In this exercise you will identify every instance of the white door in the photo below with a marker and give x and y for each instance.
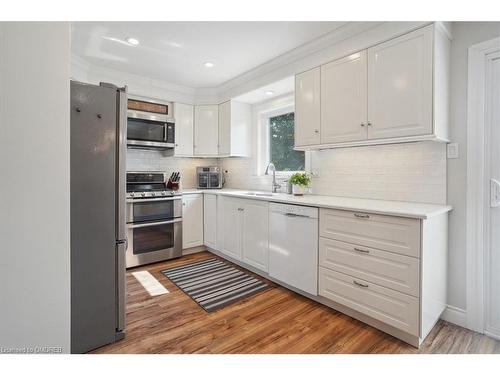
(255, 234)
(192, 217)
(231, 227)
(307, 108)
(184, 123)
(225, 128)
(344, 99)
(210, 220)
(206, 130)
(400, 86)
(492, 259)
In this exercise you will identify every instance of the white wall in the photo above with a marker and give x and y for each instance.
(34, 186)
(465, 34)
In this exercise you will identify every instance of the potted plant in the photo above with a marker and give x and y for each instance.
(299, 181)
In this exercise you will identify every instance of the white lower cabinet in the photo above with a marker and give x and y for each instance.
(231, 227)
(192, 220)
(210, 220)
(396, 309)
(255, 234)
(244, 230)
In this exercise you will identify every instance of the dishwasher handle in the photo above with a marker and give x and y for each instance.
(297, 215)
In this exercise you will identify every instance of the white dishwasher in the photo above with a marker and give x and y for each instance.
(293, 246)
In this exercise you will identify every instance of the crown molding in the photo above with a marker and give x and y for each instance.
(344, 40)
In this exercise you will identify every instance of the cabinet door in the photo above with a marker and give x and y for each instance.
(255, 234)
(210, 220)
(192, 217)
(231, 227)
(344, 99)
(184, 123)
(225, 128)
(307, 108)
(206, 130)
(400, 86)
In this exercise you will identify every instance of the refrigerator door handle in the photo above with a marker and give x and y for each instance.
(121, 248)
(121, 161)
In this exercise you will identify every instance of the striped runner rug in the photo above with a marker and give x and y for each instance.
(214, 284)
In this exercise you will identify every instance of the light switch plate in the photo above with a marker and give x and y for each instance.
(452, 151)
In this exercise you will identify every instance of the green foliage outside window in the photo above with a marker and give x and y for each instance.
(281, 140)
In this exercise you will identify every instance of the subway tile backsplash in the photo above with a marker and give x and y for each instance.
(414, 172)
(146, 160)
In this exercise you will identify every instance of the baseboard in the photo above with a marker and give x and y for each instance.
(455, 315)
(192, 250)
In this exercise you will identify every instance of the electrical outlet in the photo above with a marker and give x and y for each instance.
(452, 150)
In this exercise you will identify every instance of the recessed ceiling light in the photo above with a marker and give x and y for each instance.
(208, 64)
(132, 41)
(269, 92)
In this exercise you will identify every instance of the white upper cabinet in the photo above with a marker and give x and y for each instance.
(184, 123)
(344, 99)
(235, 120)
(396, 91)
(400, 86)
(206, 130)
(307, 108)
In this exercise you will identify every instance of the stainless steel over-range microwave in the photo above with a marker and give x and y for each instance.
(149, 125)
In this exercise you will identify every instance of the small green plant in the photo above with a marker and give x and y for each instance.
(300, 178)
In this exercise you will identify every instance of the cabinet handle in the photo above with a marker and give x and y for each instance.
(369, 123)
(362, 216)
(362, 124)
(362, 250)
(241, 209)
(316, 131)
(360, 284)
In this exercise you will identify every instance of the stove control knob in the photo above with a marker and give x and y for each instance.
(143, 194)
(163, 193)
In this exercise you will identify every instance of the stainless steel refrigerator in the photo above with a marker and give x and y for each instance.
(98, 223)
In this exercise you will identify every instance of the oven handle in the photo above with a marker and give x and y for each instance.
(138, 200)
(155, 223)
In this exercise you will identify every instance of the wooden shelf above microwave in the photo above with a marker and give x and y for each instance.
(140, 105)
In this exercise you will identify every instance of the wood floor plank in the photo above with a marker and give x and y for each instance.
(276, 320)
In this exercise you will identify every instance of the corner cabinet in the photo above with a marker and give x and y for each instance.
(235, 119)
(396, 91)
(307, 107)
(184, 126)
(206, 130)
(192, 217)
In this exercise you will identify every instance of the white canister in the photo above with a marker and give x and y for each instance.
(298, 190)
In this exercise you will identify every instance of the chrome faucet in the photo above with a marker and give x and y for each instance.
(272, 168)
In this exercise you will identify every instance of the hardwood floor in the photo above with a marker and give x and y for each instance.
(274, 321)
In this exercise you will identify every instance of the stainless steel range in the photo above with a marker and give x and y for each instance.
(154, 219)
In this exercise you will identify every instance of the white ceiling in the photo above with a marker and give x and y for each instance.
(176, 51)
(282, 87)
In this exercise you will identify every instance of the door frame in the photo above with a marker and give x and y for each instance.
(477, 197)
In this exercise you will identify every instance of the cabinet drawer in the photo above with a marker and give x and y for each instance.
(391, 270)
(395, 234)
(394, 308)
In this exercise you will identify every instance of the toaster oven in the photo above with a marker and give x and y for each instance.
(209, 178)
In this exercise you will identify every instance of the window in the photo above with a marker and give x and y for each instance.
(281, 141)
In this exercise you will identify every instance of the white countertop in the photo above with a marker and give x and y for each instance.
(374, 206)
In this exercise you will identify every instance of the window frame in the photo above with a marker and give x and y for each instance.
(263, 141)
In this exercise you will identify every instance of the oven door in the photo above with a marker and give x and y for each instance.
(154, 242)
(154, 209)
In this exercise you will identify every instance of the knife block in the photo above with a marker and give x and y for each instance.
(173, 185)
